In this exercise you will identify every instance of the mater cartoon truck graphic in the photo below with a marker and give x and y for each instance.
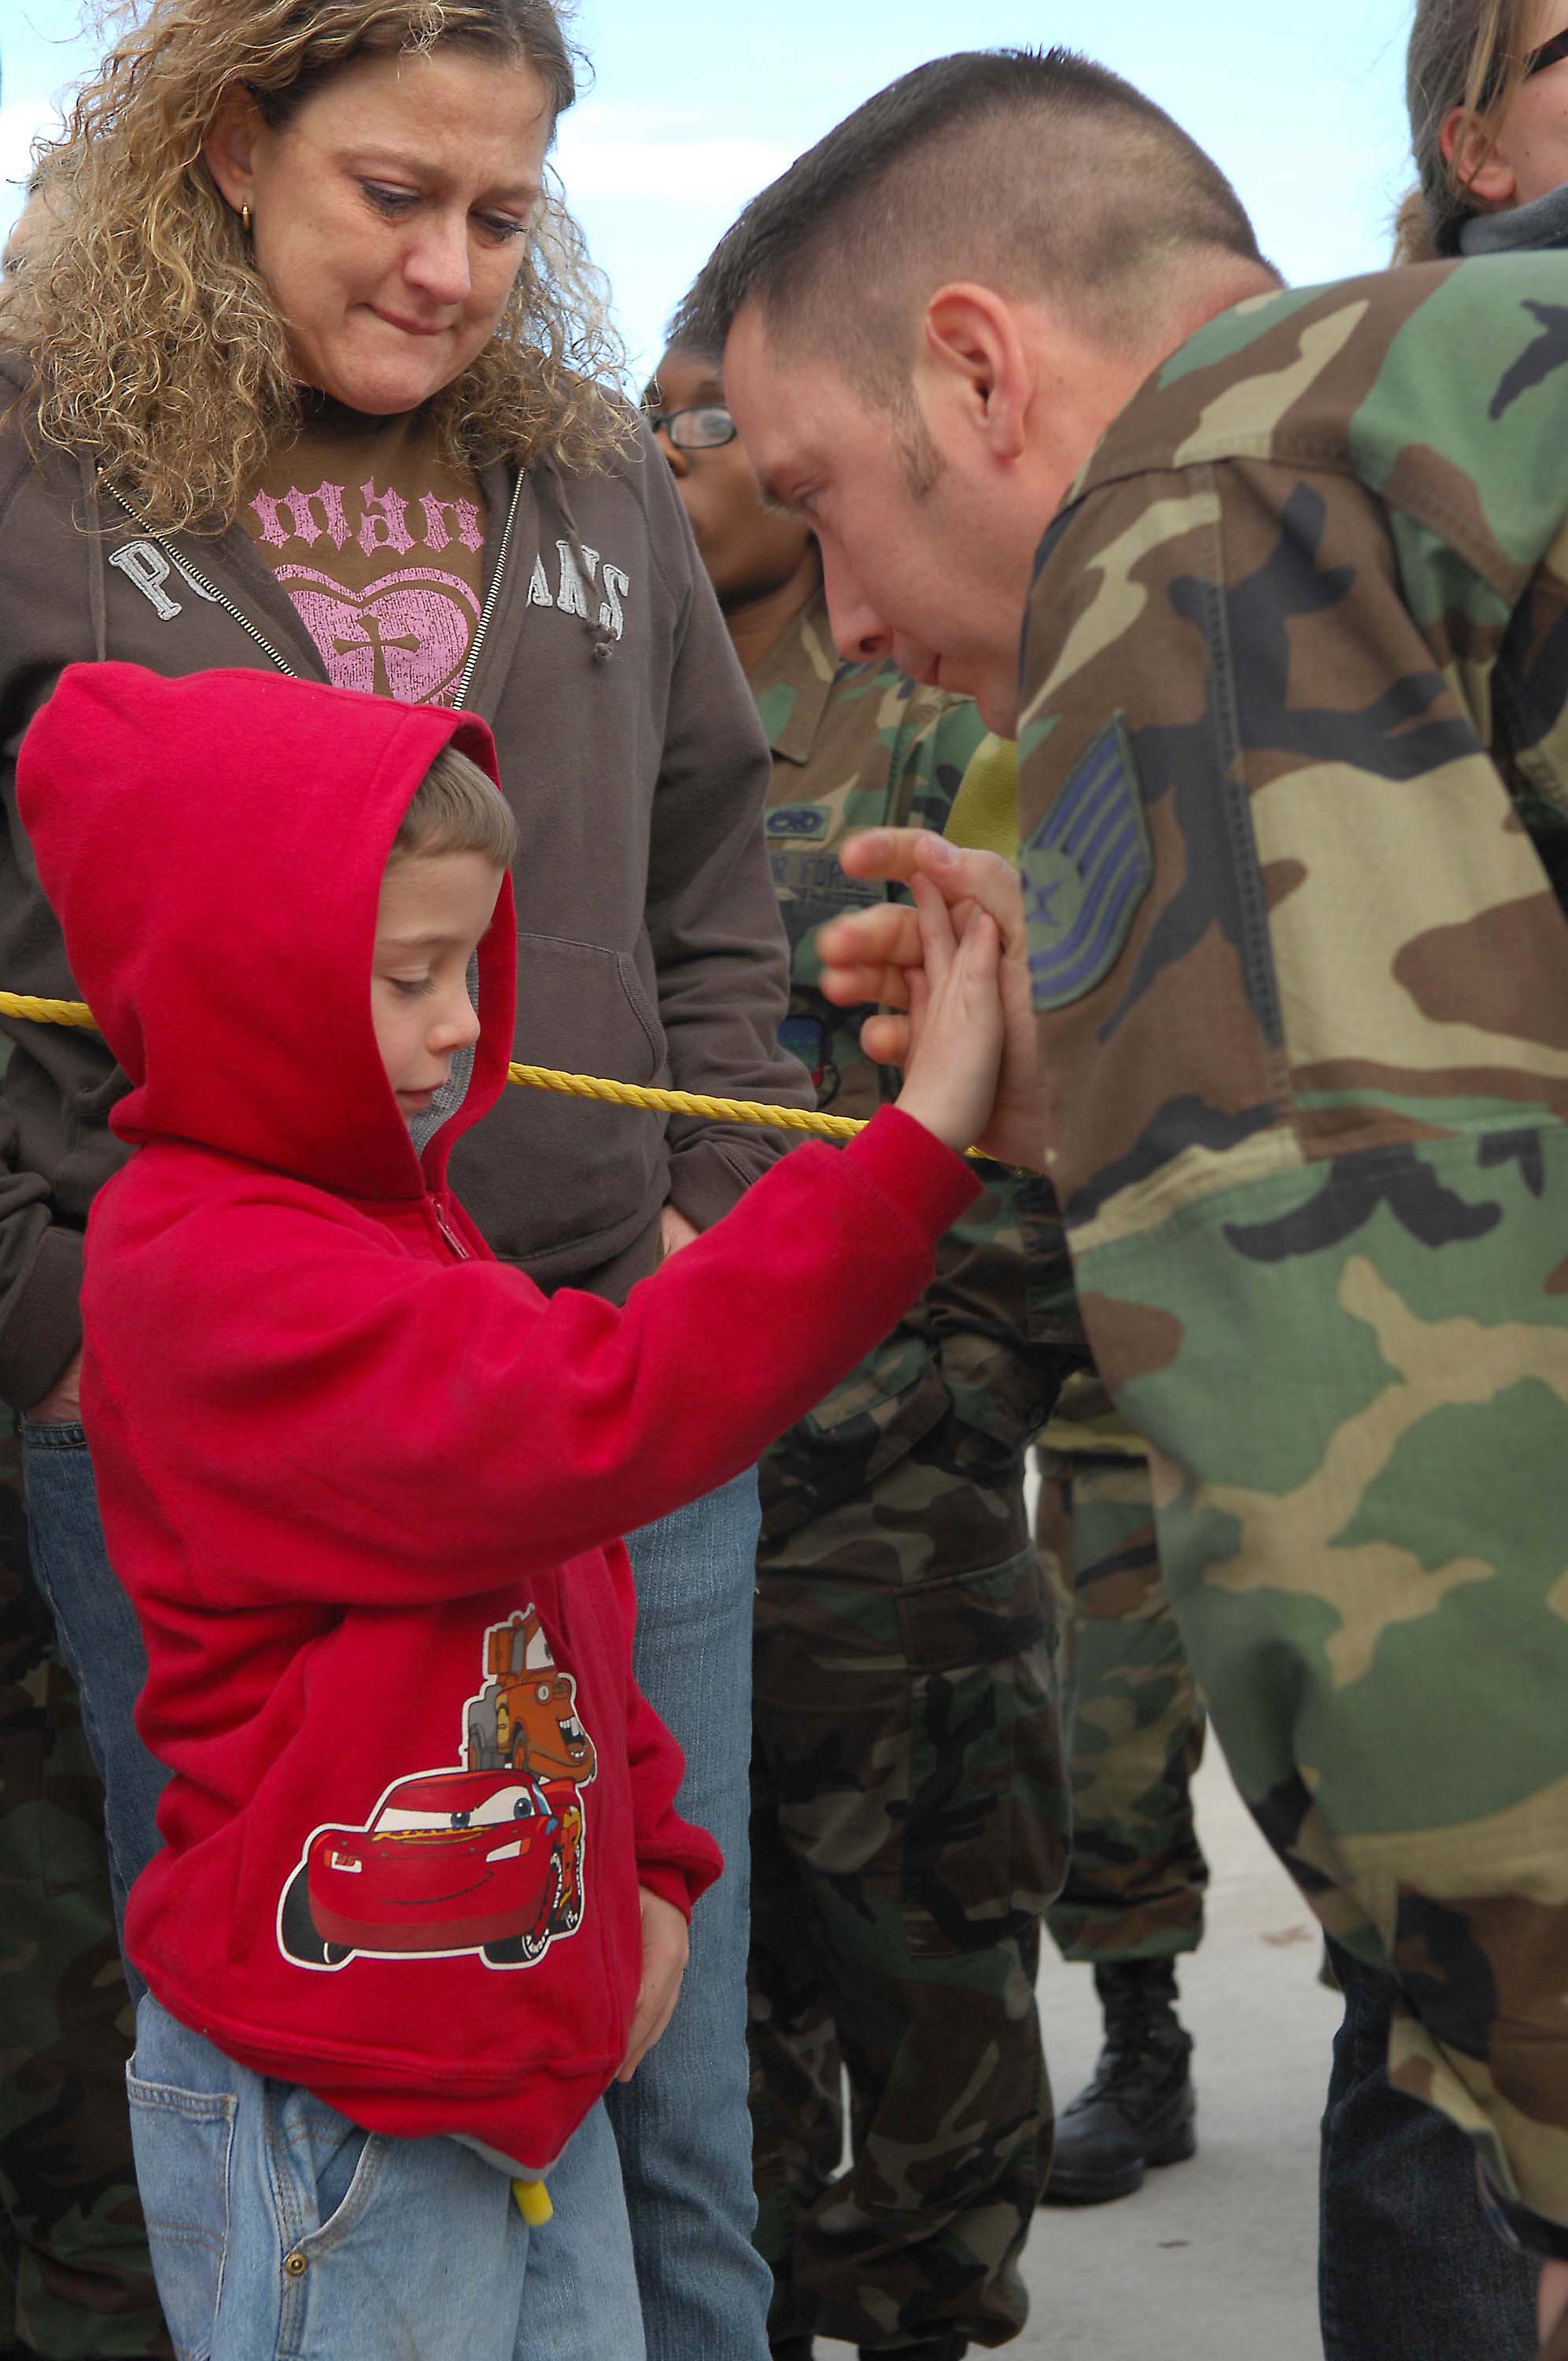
(485, 1855)
(525, 1716)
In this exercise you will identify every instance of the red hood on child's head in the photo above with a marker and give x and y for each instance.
(213, 849)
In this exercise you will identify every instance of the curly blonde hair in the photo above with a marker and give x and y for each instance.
(1465, 53)
(154, 341)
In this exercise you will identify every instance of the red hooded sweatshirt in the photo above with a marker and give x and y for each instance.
(364, 1483)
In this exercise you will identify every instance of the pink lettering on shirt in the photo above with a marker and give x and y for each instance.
(300, 508)
(384, 524)
(464, 526)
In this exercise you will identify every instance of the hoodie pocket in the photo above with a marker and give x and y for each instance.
(582, 1009)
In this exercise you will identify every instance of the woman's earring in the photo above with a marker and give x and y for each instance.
(245, 219)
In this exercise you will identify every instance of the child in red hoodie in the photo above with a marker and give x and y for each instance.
(424, 1888)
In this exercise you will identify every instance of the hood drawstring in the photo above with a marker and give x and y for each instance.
(97, 577)
(554, 495)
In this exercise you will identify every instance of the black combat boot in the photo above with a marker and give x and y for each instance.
(1139, 2108)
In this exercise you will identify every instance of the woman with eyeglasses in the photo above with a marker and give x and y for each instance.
(1487, 85)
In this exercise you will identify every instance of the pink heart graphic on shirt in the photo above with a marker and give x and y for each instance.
(407, 636)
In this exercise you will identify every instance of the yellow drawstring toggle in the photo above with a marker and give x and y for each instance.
(533, 2202)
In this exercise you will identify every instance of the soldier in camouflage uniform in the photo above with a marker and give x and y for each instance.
(75, 2272)
(1133, 1901)
(1364, 489)
(1294, 805)
(1134, 1886)
(909, 1798)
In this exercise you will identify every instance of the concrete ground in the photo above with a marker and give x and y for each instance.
(1216, 2257)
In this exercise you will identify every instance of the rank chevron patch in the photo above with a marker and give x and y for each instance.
(1086, 869)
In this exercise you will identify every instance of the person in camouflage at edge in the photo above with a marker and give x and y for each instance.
(1136, 1883)
(1133, 1901)
(74, 2266)
(1294, 818)
(908, 1821)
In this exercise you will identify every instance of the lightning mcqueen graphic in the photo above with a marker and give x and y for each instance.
(451, 1861)
(484, 1856)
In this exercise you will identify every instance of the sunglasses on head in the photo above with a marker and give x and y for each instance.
(1551, 53)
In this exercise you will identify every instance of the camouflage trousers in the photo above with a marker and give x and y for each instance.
(1135, 1879)
(908, 1829)
(76, 2273)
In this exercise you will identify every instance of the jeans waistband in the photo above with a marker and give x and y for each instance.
(57, 1434)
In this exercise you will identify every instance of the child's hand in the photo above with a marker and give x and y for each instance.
(868, 956)
(664, 1947)
(955, 1021)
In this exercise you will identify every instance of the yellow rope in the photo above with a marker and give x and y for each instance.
(538, 1078)
(780, 1118)
(47, 1012)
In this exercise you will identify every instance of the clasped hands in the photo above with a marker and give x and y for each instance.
(872, 954)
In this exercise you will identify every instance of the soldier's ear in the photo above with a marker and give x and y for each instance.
(1475, 157)
(977, 356)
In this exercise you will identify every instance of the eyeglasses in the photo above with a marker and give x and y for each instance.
(703, 429)
(1551, 53)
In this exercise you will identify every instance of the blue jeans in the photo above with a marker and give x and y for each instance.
(100, 1640)
(1408, 2267)
(682, 2121)
(279, 2227)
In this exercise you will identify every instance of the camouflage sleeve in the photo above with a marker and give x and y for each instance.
(1303, 988)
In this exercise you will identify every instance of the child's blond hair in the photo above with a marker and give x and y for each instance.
(455, 808)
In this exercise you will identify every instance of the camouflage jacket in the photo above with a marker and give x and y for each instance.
(1294, 794)
(862, 746)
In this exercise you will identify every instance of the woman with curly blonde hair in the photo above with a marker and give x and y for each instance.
(310, 375)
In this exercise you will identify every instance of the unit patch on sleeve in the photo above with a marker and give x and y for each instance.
(1086, 869)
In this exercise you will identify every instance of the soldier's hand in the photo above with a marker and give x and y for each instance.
(664, 1947)
(871, 955)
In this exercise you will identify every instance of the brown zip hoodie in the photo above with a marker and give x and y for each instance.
(648, 945)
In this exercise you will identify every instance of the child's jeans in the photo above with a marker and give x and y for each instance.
(280, 2229)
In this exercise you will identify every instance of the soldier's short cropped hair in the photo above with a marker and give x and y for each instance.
(1036, 172)
(456, 808)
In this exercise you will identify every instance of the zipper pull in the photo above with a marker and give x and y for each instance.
(449, 1233)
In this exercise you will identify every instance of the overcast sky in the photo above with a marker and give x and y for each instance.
(693, 108)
